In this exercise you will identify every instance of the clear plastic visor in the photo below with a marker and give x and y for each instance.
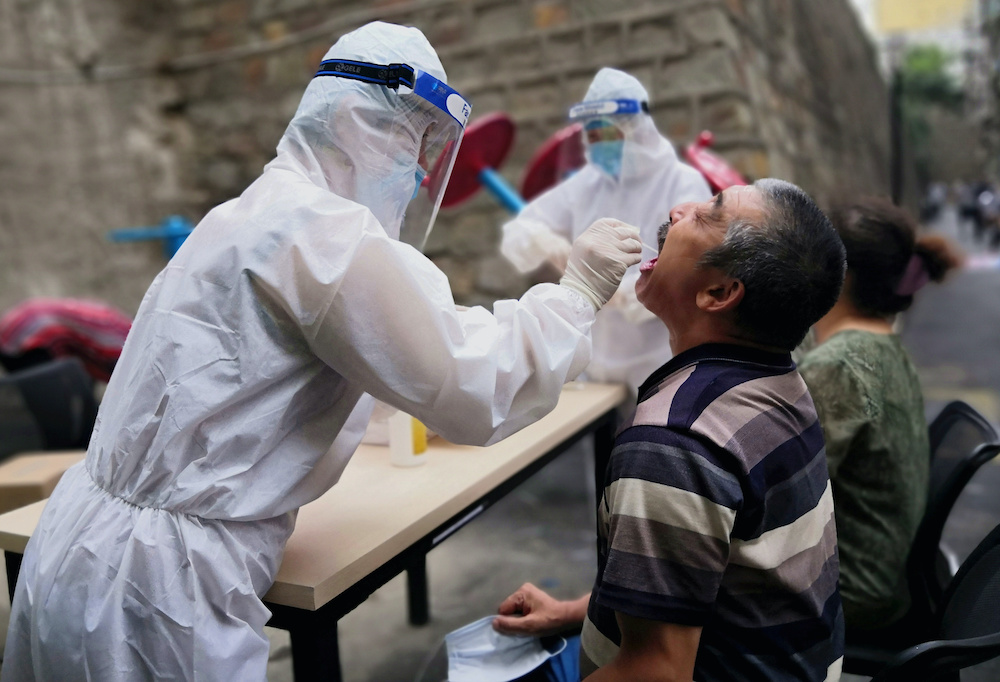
(605, 107)
(593, 132)
(441, 115)
(420, 142)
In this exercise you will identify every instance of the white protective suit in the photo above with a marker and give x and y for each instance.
(629, 342)
(239, 397)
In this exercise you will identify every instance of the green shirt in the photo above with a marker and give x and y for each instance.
(871, 408)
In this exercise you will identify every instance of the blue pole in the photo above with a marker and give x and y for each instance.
(177, 230)
(173, 230)
(502, 190)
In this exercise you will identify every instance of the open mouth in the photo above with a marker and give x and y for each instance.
(648, 265)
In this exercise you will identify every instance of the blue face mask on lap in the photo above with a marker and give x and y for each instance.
(478, 653)
(607, 155)
(419, 174)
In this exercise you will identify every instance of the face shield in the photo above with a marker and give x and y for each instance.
(605, 128)
(426, 129)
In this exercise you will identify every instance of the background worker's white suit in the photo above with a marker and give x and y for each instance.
(629, 342)
(238, 396)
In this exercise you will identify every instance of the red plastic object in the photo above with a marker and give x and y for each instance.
(485, 144)
(558, 156)
(719, 174)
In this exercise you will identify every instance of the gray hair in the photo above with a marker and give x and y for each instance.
(791, 263)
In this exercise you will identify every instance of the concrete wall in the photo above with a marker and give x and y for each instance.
(116, 113)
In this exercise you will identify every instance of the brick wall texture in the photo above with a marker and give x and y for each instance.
(115, 113)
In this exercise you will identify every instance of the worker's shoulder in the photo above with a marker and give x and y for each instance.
(289, 197)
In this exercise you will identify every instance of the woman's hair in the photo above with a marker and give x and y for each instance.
(887, 262)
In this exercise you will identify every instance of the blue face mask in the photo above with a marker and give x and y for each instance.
(478, 653)
(419, 174)
(608, 156)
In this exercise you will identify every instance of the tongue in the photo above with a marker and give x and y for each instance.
(647, 266)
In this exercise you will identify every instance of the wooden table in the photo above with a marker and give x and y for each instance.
(31, 476)
(379, 521)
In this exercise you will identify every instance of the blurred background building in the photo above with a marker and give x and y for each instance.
(990, 16)
(954, 42)
(951, 25)
(117, 114)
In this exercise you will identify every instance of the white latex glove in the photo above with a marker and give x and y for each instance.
(528, 244)
(599, 259)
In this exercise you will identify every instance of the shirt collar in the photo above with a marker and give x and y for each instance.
(726, 352)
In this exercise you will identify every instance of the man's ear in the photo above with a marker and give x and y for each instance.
(722, 296)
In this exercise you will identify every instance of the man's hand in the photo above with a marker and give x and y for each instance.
(530, 611)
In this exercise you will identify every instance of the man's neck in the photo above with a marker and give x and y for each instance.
(844, 315)
(698, 335)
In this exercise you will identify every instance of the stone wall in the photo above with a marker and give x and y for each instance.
(115, 113)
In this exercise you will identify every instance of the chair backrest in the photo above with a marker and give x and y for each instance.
(972, 601)
(962, 440)
(60, 396)
(19, 431)
(955, 432)
(968, 631)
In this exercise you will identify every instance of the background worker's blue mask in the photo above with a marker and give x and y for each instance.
(607, 155)
(419, 174)
(604, 130)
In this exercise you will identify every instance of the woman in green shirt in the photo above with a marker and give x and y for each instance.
(870, 406)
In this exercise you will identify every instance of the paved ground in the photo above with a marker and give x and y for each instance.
(543, 531)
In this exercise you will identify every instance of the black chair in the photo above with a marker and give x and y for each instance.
(955, 432)
(19, 431)
(962, 441)
(968, 629)
(60, 397)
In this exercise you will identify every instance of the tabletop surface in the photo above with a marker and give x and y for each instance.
(29, 468)
(377, 510)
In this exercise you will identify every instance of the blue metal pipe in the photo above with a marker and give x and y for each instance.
(173, 230)
(502, 190)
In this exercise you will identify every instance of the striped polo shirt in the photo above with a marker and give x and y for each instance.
(717, 513)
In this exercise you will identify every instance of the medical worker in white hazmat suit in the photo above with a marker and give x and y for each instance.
(632, 174)
(240, 392)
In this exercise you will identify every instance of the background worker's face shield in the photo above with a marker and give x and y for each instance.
(605, 129)
(423, 136)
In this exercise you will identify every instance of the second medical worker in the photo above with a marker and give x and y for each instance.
(632, 173)
(240, 394)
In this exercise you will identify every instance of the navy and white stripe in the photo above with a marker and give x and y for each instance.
(718, 513)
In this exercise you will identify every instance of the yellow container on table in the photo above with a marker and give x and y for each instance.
(407, 440)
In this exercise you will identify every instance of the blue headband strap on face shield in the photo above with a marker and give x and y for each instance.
(389, 75)
(438, 93)
(607, 107)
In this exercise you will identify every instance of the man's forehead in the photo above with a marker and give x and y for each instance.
(744, 201)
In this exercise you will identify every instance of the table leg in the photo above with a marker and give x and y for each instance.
(604, 441)
(416, 591)
(13, 563)
(315, 653)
